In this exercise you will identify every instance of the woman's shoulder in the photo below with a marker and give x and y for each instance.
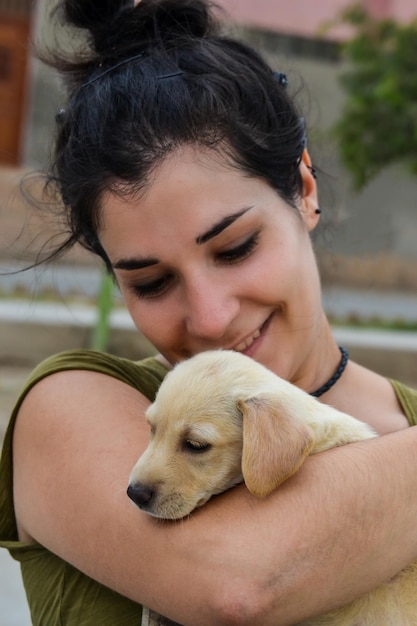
(76, 385)
(70, 379)
(82, 404)
(144, 375)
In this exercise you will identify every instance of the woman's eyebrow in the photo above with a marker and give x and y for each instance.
(134, 263)
(216, 229)
(140, 263)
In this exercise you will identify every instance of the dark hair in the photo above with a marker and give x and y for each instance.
(152, 77)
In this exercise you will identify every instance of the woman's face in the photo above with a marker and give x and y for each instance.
(210, 258)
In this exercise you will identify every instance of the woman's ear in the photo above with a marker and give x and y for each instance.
(309, 207)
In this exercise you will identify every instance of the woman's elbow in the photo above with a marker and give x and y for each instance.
(243, 604)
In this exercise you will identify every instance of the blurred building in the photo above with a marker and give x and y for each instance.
(305, 18)
(15, 30)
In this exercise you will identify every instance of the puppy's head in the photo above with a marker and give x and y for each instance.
(214, 424)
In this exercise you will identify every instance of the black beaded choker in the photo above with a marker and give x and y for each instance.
(336, 375)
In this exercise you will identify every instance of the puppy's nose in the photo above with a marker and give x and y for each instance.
(140, 494)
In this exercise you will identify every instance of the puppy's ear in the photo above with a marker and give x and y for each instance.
(275, 444)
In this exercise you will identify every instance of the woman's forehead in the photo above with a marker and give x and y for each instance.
(190, 201)
(189, 178)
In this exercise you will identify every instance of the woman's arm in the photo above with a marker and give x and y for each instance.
(342, 525)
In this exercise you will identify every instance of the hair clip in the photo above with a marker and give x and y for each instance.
(281, 78)
(60, 116)
(111, 68)
(163, 76)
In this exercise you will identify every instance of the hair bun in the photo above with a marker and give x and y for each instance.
(123, 25)
(175, 18)
(93, 14)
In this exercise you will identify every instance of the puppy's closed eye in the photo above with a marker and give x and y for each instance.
(192, 445)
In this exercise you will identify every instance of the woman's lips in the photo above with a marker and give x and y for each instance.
(246, 343)
(243, 345)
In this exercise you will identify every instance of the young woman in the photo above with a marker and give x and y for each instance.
(181, 161)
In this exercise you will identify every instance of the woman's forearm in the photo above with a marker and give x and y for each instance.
(339, 528)
(349, 521)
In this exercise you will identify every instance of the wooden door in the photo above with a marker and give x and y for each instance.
(14, 43)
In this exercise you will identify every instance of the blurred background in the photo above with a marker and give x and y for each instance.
(353, 67)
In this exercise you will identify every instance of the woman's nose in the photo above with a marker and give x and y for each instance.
(210, 309)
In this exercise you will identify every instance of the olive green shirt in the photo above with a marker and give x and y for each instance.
(57, 593)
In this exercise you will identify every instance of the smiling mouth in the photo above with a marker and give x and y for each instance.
(246, 343)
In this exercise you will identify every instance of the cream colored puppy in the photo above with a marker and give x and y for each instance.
(221, 418)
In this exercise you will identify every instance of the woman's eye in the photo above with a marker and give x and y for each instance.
(153, 288)
(240, 252)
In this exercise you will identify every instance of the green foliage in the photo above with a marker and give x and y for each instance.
(378, 125)
(104, 308)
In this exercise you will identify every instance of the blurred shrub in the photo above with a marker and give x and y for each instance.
(378, 125)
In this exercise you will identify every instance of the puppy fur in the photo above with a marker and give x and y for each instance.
(221, 418)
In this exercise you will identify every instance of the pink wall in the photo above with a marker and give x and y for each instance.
(305, 17)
